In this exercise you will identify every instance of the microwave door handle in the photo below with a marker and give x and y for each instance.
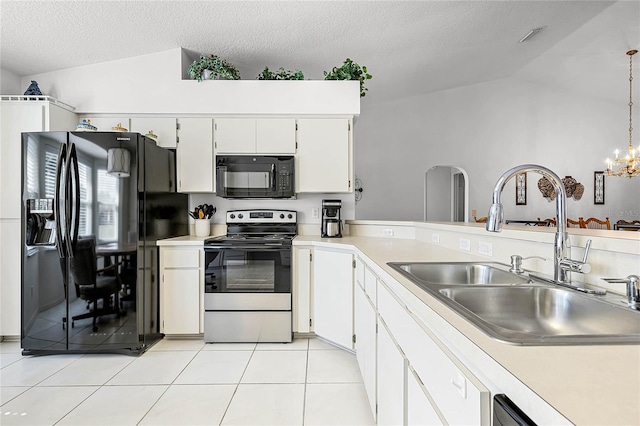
(273, 177)
(59, 216)
(75, 203)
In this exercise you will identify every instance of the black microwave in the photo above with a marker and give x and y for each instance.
(255, 176)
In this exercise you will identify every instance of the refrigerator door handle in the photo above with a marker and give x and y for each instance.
(59, 217)
(73, 205)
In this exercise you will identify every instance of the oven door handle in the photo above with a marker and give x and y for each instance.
(261, 247)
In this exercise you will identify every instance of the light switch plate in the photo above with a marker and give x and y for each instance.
(465, 244)
(435, 238)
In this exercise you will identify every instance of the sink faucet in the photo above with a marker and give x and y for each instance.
(562, 248)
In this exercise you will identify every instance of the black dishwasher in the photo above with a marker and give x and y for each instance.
(506, 413)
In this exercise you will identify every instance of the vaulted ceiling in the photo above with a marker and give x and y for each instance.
(410, 47)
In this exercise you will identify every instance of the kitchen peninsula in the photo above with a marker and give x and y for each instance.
(546, 382)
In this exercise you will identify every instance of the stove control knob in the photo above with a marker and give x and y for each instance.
(240, 216)
(232, 216)
(281, 215)
(290, 216)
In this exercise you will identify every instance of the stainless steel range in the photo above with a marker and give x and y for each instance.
(248, 278)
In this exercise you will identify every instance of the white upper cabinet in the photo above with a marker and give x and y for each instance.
(235, 135)
(106, 124)
(276, 136)
(323, 158)
(255, 135)
(195, 168)
(18, 117)
(164, 128)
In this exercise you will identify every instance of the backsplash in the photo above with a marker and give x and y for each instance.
(303, 204)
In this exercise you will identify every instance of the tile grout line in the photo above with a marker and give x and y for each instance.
(237, 385)
(168, 386)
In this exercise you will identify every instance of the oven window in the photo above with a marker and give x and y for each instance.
(232, 270)
(250, 275)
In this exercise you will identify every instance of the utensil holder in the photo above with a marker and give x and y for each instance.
(203, 227)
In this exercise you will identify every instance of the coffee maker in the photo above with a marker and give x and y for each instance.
(331, 222)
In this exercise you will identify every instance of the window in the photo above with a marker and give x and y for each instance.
(86, 198)
(50, 164)
(85, 172)
(32, 175)
(108, 204)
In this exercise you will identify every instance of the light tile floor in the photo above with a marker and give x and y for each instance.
(186, 382)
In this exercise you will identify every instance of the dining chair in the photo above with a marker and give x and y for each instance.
(483, 219)
(91, 285)
(595, 223)
(627, 225)
(574, 223)
(551, 221)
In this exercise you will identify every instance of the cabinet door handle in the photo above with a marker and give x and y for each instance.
(461, 385)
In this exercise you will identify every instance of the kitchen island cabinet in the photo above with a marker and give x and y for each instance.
(365, 324)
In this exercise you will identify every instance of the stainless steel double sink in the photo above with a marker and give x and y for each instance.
(519, 310)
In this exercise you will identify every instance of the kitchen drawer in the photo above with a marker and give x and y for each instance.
(180, 258)
(370, 285)
(460, 397)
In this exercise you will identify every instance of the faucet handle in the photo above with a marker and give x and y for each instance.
(576, 265)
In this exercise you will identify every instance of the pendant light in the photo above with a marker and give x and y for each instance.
(629, 165)
(119, 162)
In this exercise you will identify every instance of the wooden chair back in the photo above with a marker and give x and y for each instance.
(482, 219)
(574, 223)
(595, 223)
(551, 221)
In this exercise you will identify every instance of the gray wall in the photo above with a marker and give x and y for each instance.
(486, 129)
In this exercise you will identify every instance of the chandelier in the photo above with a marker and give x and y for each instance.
(629, 165)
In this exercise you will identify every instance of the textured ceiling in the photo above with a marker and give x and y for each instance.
(410, 47)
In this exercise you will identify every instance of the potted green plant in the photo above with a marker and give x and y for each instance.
(349, 70)
(219, 68)
(281, 74)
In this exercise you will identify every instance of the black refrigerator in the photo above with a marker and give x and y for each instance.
(93, 206)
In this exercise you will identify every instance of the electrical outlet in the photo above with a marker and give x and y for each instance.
(315, 213)
(465, 244)
(435, 238)
(485, 248)
(387, 232)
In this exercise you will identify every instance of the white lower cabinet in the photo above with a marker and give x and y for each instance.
(332, 284)
(457, 393)
(181, 290)
(420, 412)
(365, 324)
(301, 291)
(392, 372)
